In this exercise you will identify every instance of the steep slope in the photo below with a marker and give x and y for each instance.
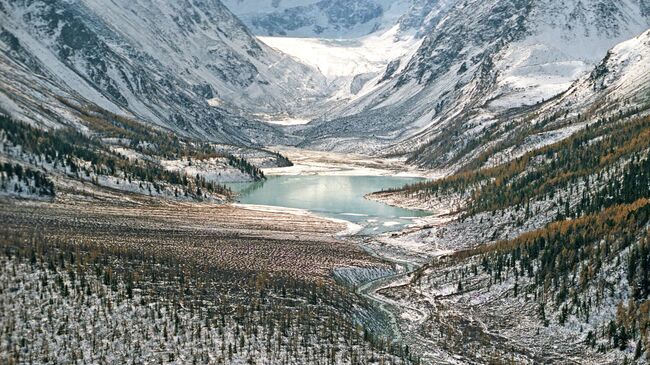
(548, 248)
(337, 19)
(545, 240)
(350, 42)
(318, 18)
(473, 72)
(618, 85)
(160, 62)
(352, 66)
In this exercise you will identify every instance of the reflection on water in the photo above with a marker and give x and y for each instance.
(247, 188)
(339, 197)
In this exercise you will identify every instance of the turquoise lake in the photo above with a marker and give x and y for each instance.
(340, 197)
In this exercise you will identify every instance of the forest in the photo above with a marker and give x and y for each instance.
(593, 252)
(87, 157)
(144, 306)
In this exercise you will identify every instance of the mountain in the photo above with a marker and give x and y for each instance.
(123, 123)
(350, 42)
(337, 19)
(550, 248)
(318, 18)
(191, 67)
(471, 73)
(618, 85)
(541, 243)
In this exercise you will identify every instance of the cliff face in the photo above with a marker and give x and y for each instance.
(161, 62)
(474, 71)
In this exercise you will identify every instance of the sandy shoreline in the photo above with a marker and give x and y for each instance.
(350, 230)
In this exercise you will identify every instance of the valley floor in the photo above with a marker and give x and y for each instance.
(310, 162)
(267, 273)
(230, 237)
(391, 282)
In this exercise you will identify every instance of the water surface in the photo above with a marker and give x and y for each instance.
(340, 197)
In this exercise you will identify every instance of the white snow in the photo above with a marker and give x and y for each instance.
(286, 120)
(340, 60)
(391, 224)
(548, 61)
(346, 57)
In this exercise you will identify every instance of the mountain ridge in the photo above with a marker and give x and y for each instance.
(160, 63)
(469, 71)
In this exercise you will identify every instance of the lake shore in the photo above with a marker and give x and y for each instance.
(303, 246)
(309, 162)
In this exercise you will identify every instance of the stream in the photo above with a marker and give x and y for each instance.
(342, 198)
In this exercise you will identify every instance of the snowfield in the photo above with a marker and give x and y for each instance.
(353, 66)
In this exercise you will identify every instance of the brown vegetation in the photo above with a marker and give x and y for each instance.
(203, 234)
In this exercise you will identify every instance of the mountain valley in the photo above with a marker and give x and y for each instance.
(325, 181)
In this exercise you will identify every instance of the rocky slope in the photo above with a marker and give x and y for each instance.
(471, 73)
(539, 251)
(318, 18)
(337, 19)
(357, 45)
(191, 67)
(618, 85)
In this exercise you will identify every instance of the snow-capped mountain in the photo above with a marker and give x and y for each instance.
(618, 87)
(471, 71)
(415, 75)
(337, 19)
(162, 62)
(350, 42)
(620, 82)
(621, 77)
